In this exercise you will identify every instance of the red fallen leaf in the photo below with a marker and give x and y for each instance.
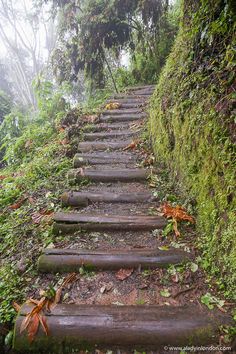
(61, 129)
(3, 177)
(123, 274)
(18, 204)
(131, 146)
(178, 213)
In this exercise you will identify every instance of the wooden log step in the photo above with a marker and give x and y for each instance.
(130, 105)
(86, 146)
(110, 126)
(122, 117)
(81, 199)
(121, 111)
(77, 221)
(109, 135)
(128, 100)
(141, 87)
(101, 158)
(114, 175)
(86, 328)
(70, 260)
(131, 96)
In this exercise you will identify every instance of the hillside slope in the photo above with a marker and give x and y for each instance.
(192, 126)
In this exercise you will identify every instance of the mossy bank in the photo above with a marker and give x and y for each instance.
(192, 127)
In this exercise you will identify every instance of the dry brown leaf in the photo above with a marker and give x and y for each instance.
(28, 143)
(18, 204)
(69, 279)
(33, 327)
(34, 318)
(37, 216)
(131, 146)
(44, 324)
(16, 306)
(112, 105)
(123, 274)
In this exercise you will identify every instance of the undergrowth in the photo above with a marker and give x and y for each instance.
(37, 156)
(192, 127)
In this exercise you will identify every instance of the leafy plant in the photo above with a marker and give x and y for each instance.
(210, 301)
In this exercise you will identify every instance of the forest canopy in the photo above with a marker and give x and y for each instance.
(93, 33)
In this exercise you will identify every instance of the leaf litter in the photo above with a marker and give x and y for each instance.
(36, 317)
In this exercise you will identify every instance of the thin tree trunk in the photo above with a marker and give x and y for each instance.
(112, 77)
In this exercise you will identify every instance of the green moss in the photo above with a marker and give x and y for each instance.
(191, 127)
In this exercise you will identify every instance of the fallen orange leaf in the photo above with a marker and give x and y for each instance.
(33, 327)
(123, 274)
(18, 204)
(131, 146)
(3, 177)
(178, 213)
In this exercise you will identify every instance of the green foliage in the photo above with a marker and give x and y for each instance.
(193, 128)
(210, 301)
(5, 105)
(10, 290)
(23, 133)
(33, 180)
(95, 30)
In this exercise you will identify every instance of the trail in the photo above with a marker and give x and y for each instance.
(128, 304)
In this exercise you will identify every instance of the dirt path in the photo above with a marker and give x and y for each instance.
(110, 233)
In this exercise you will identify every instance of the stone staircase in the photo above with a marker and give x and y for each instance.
(115, 203)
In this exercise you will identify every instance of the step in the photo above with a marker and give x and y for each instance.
(128, 100)
(130, 96)
(121, 111)
(81, 199)
(130, 105)
(141, 87)
(101, 158)
(70, 260)
(115, 175)
(109, 135)
(122, 117)
(86, 146)
(138, 327)
(110, 126)
(67, 222)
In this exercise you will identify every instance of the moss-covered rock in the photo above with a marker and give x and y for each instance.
(192, 126)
